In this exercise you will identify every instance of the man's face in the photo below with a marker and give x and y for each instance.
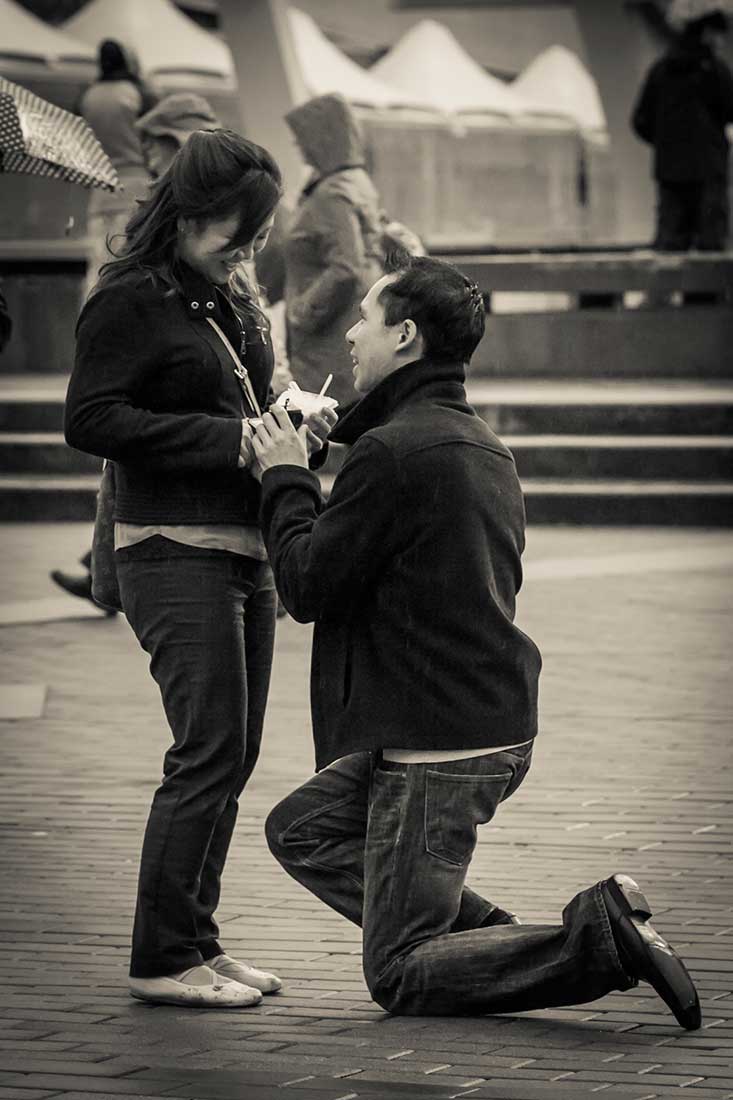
(373, 345)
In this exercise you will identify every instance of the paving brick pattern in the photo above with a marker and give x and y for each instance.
(632, 773)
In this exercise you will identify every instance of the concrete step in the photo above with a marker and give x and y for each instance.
(607, 457)
(35, 497)
(31, 497)
(509, 405)
(697, 457)
(680, 503)
(669, 407)
(537, 456)
(43, 453)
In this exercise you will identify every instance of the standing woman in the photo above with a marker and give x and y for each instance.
(155, 389)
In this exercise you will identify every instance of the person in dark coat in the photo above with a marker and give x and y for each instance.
(173, 366)
(684, 105)
(423, 688)
(333, 245)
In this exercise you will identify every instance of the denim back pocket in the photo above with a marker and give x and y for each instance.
(454, 806)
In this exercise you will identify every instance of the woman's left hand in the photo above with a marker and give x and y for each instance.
(319, 428)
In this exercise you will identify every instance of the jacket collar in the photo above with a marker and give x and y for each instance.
(201, 298)
(419, 379)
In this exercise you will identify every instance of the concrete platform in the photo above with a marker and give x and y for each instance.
(632, 773)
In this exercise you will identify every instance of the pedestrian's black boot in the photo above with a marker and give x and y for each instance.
(74, 583)
(643, 952)
(77, 585)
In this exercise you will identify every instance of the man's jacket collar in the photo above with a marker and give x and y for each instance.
(421, 378)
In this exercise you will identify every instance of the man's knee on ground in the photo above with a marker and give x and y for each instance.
(385, 988)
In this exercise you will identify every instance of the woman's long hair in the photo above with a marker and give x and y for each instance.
(215, 175)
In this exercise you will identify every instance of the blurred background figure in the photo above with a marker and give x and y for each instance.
(111, 106)
(163, 130)
(333, 250)
(682, 111)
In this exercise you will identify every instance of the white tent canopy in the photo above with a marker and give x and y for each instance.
(326, 69)
(557, 82)
(165, 40)
(430, 63)
(24, 37)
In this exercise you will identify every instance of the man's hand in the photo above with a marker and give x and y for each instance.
(276, 443)
(319, 427)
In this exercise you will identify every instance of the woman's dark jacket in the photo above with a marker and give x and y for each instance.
(682, 110)
(154, 389)
(410, 572)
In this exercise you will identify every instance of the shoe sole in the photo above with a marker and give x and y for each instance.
(186, 1002)
(636, 910)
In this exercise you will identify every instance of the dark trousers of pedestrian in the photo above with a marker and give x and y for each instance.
(207, 620)
(692, 215)
(388, 846)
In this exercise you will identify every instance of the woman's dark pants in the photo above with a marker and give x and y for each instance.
(388, 846)
(207, 620)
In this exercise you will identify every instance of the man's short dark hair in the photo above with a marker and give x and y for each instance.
(444, 304)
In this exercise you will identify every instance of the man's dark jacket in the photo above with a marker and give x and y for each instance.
(410, 573)
(682, 110)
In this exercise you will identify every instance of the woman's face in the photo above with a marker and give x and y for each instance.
(207, 249)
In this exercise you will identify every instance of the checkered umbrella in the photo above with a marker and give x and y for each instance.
(41, 139)
(681, 12)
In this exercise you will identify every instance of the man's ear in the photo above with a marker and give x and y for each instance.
(408, 335)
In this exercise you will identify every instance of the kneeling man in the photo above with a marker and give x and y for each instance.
(424, 691)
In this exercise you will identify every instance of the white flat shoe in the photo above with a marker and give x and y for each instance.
(199, 987)
(242, 972)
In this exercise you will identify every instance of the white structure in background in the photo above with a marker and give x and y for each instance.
(24, 37)
(557, 82)
(326, 69)
(169, 45)
(428, 62)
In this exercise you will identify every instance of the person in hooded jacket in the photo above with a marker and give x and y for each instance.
(682, 111)
(333, 250)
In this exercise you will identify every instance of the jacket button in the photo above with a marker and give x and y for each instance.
(194, 305)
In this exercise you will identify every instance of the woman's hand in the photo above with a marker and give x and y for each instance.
(246, 454)
(276, 443)
(319, 428)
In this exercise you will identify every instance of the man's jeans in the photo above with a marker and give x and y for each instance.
(389, 845)
(207, 619)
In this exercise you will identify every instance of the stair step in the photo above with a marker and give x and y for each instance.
(536, 455)
(43, 452)
(36, 497)
(700, 503)
(682, 457)
(623, 456)
(509, 405)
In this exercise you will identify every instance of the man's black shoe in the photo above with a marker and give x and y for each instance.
(643, 952)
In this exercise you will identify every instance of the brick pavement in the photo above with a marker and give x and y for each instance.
(632, 772)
